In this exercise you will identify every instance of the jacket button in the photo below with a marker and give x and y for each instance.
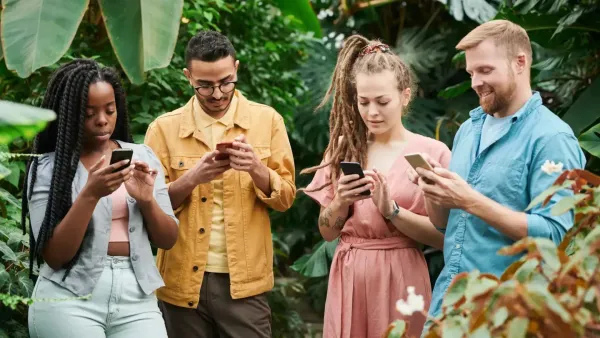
(201, 230)
(203, 199)
(191, 303)
(131, 229)
(180, 166)
(195, 268)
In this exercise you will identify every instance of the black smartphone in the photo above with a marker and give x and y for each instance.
(119, 155)
(353, 168)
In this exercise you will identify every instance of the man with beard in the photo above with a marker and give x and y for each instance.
(217, 274)
(497, 160)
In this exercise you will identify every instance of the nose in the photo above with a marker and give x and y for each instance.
(372, 110)
(476, 82)
(102, 119)
(217, 94)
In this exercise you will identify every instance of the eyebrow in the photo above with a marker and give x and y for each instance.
(378, 97)
(92, 106)
(221, 80)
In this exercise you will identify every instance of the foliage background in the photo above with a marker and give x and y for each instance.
(289, 69)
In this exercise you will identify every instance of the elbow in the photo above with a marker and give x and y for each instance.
(168, 238)
(56, 263)
(328, 236)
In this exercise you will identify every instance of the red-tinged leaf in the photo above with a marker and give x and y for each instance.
(566, 203)
(510, 271)
(517, 247)
(456, 290)
(561, 179)
(589, 177)
(546, 196)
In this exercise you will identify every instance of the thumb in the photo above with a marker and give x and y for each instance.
(241, 138)
(444, 172)
(98, 164)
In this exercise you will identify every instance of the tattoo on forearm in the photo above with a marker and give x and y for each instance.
(324, 220)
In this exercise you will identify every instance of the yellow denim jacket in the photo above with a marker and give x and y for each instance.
(179, 144)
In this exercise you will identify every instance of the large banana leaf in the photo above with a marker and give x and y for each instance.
(478, 10)
(143, 34)
(36, 33)
(590, 140)
(422, 53)
(19, 120)
(301, 10)
(586, 110)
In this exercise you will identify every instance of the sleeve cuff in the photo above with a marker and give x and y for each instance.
(537, 226)
(274, 184)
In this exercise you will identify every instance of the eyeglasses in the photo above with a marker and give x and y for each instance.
(225, 88)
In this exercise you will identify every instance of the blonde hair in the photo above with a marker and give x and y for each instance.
(504, 33)
(348, 132)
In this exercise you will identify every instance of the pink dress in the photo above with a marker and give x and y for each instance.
(374, 263)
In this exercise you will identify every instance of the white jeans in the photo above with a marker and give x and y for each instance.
(118, 308)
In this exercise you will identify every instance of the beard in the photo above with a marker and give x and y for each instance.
(493, 100)
(212, 106)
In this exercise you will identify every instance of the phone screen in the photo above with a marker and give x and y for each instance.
(120, 155)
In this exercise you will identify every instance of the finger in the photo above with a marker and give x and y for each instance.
(358, 190)
(372, 175)
(412, 175)
(359, 182)
(445, 173)
(242, 146)
(141, 165)
(210, 155)
(241, 138)
(435, 178)
(98, 164)
(220, 163)
(345, 179)
(113, 167)
(240, 153)
(119, 174)
(434, 163)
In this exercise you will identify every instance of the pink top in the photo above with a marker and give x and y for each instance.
(374, 262)
(120, 216)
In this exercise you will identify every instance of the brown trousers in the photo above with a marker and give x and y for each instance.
(218, 315)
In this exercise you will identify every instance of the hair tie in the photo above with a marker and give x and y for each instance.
(380, 47)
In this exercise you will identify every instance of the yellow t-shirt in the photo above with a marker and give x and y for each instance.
(213, 131)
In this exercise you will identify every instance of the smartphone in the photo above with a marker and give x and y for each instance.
(222, 146)
(416, 160)
(119, 155)
(353, 168)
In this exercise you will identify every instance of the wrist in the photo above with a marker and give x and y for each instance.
(145, 204)
(392, 210)
(88, 195)
(471, 202)
(337, 203)
(258, 170)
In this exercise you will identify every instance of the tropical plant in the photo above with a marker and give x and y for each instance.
(549, 292)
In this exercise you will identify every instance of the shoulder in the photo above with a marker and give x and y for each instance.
(45, 168)
(545, 125)
(262, 112)
(168, 120)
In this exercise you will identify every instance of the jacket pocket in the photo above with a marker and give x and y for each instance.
(181, 164)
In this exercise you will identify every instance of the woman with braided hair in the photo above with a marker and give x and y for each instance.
(378, 256)
(91, 222)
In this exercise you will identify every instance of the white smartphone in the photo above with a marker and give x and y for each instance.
(416, 160)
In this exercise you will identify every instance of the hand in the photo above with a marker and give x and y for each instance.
(242, 156)
(381, 195)
(102, 181)
(141, 185)
(208, 168)
(413, 176)
(447, 189)
(349, 189)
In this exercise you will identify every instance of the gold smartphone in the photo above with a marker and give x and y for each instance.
(416, 160)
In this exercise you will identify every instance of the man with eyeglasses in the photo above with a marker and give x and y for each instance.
(226, 160)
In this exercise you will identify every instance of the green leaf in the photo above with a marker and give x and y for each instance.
(455, 90)
(13, 177)
(549, 252)
(453, 327)
(25, 283)
(567, 203)
(37, 33)
(585, 110)
(317, 263)
(4, 276)
(542, 197)
(525, 271)
(479, 285)
(4, 171)
(7, 252)
(456, 291)
(6, 196)
(301, 10)
(398, 330)
(517, 328)
(549, 300)
(590, 140)
(500, 316)
(420, 52)
(143, 34)
(19, 120)
(481, 332)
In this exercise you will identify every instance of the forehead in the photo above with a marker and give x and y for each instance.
(486, 53)
(212, 71)
(100, 92)
(376, 84)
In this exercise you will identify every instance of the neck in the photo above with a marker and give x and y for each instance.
(522, 95)
(99, 148)
(397, 134)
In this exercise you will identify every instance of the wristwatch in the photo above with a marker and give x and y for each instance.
(394, 213)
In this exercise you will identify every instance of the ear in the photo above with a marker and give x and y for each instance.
(406, 95)
(188, 75)
(521, 63)
(237, 65)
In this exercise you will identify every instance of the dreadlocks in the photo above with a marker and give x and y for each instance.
(67, 96)
(348, 132)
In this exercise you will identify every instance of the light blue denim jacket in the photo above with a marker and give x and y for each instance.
(87, 270)
(507, 171)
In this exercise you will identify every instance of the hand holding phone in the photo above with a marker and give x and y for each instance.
(354, 168)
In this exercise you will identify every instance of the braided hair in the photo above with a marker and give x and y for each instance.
(348, 132)
(67, 96)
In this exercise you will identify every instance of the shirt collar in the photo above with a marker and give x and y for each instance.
(204, 120)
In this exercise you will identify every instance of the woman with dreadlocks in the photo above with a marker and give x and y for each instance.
(378, 256)
(93, 225)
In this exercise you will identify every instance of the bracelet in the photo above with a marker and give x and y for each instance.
(394, 213)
